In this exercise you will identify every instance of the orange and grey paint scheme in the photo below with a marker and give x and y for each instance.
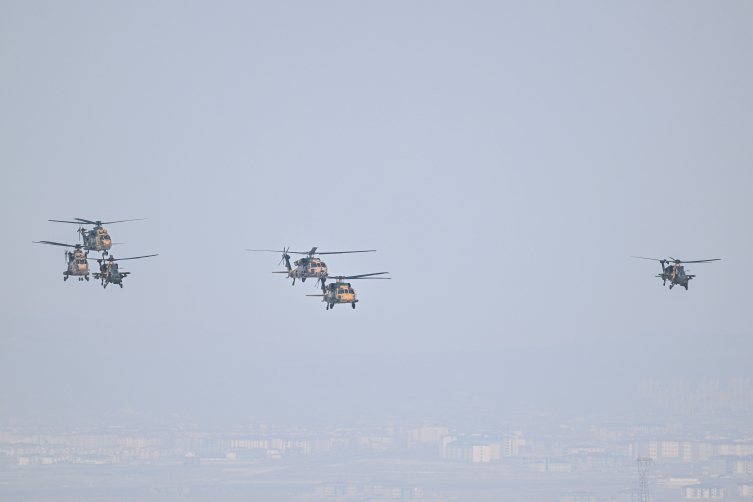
(76, 260)
(674, 271)
(342, 292)
(307, 267)
(110, 273)
(96, 239)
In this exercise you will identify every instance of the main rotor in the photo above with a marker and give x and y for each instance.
(676, 261)
(97, 223)
(313, 251)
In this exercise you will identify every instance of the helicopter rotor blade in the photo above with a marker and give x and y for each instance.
(363, 276)
(345, 252)
(63, 221)
(642, 258)
(89, 222)
(279, 251)
(57, 244)
(121, 221)
(700, 261)
(132, 258)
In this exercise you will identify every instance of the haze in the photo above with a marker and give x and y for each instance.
(505, 159)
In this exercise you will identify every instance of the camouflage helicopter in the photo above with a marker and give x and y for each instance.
(109, 273)
(308, 266)
(675, 273)
(76, 260)
(97, 238)
(342, 292)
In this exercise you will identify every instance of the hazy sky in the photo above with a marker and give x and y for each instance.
(505, 159)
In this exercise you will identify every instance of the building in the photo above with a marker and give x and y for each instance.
(430, 435)
(702, 492)
(336, 491)
(443, 445)
(730, 465)
(745, 490)
(572, 496)
(629, 495)
(385, 492)
(558, 465)
(674, 483)
(477, 448)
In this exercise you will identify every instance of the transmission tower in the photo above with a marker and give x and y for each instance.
(643, 465)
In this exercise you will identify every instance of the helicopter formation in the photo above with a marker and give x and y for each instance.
(311, 267)
(96, 239)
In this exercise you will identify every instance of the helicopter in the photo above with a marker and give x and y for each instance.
(342, 292)
(675, 273)
(109, 272)
(97, 238)
(76, 260)
(308, 266)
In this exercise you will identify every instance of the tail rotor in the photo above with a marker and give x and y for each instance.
(285, 258)
(322, 280)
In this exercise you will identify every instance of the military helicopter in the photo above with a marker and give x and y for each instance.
(308, 266)
(109, 272)
(675, 273)
(342, 292)
(76, 260)
(97, 238)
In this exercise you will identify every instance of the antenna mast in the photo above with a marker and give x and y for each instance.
(643, 466)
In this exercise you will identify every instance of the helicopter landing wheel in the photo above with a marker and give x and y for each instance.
(327, 307)
(686, 287)
(87, 278)
(65, 278)
(121, 284)
(353, 305)
(303, 279)
(331, 306)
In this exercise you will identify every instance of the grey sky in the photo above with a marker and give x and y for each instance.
(505, 159)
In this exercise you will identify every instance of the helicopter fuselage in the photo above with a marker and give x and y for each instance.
(338, 292)
(676, 276)
(77, 264)
(307, 268)
(97, 239)
(110, 273)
